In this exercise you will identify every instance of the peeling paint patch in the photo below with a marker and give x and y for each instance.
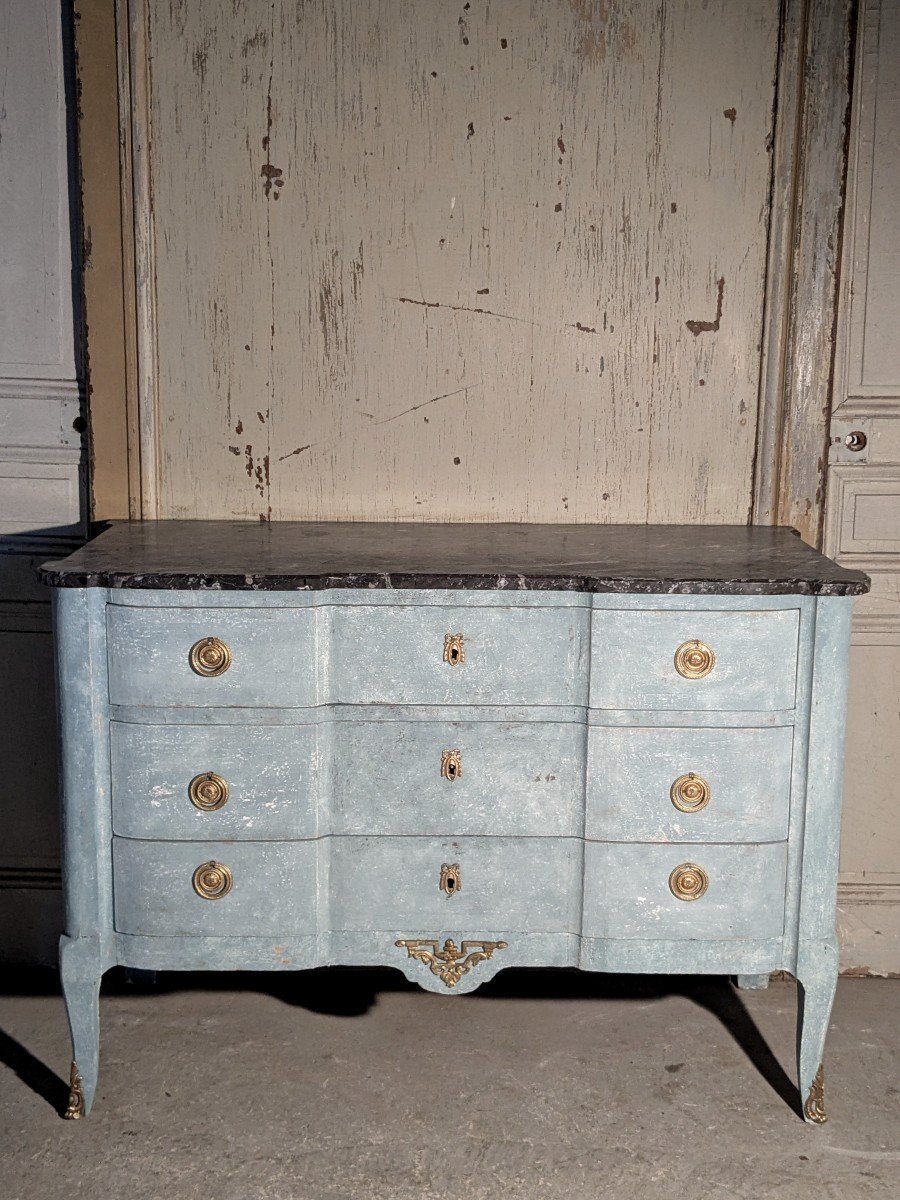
(698, 327)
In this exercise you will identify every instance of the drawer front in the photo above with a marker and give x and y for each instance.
(273, 892)
(531, 885)
(506, 655)
(627, 891)
(633, 660)
(441, 777)
(272, 657)
(263, 786)
(740, 790)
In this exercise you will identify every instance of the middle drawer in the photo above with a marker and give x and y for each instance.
(348, 777)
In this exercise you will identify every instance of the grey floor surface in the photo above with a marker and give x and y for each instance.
(542, 1084)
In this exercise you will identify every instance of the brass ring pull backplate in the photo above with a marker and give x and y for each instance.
(451, 883)
(454, 649)
(212, 880)
(689, 793)
(688, 882)
(208, 792)
(694, 660)
(451, 764)
(210, 657)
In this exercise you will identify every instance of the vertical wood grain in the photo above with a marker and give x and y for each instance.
(487, 262)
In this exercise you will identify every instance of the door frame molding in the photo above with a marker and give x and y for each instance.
(803, 269)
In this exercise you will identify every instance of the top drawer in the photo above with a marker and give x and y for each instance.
(742, 660)
(349, 654)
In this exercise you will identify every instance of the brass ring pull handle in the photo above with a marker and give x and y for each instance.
(451, 765)
(689, 793)
(212, 880)
(454, 649)
(210, 656)
(451, 883)
(694, 660)
(688, 882)
(208, 792)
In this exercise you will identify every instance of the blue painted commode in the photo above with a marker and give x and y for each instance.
(451, 750)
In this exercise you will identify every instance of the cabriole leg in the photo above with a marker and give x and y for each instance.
(80, 973)
(815, 994)
(752, 983)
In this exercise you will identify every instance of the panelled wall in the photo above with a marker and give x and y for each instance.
(41, 472)
(406, 260)
(863, 517)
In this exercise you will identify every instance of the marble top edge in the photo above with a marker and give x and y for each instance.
(237, 555)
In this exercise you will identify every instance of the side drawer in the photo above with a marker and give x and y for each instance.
(527, 885)
(273, 892)
(740, 791)
(627, 892)
(273, 656)
(264, 785)
(633, 659)
(467, 777)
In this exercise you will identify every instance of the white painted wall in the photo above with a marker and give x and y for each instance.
(863, 516)
(41, 486)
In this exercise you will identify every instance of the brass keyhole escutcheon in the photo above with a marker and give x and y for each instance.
(208, 791)
(454, 649)
(451, 764)
(690, 793)
(694, 660)
(210, 657)
(212, 880)
(688, 882)
(450, 880)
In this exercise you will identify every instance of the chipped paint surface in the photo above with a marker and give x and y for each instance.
(468, 262)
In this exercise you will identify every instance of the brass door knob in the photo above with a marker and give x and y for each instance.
(690, 793)
(694, 660)
(208, 791)
(688, 882)
(212, 880)
(210, 656)
(454, 649)
(451, 764)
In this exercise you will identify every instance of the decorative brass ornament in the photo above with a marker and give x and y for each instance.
(454, 649)
(690, 793)
(451, 963)
(212, 880)
(694, 660)
(451, 764)
(450, 880)
(210, 656)
(688, 882)
(208, 791)
(814, 1108)
(75, 1109)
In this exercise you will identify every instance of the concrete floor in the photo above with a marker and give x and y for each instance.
(353, 1084)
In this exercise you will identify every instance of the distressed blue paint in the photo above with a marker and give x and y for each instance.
(329, 728)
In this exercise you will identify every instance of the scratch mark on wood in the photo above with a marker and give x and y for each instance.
(582, 328)
(698, 327)
(425, 403)
(299, 450)
(483, 312)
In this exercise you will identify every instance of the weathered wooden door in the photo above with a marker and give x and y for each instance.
(410, 260)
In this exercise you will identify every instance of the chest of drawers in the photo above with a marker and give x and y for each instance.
(450, 749)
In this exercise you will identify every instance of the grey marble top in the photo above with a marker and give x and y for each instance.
(241, 555)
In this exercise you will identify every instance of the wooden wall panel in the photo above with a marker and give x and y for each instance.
(478, 261)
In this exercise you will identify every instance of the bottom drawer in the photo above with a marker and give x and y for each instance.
(271, 888)
(630, 891)
(526, 885)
